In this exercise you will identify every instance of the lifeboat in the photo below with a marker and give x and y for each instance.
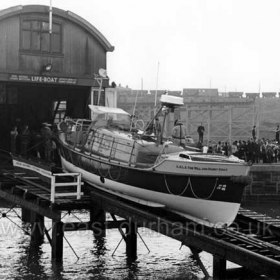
(115, 157)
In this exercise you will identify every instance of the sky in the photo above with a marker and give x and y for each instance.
(232, 45)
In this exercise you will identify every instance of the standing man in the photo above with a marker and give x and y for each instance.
(277, 131)
(157, 127)
(25, 139)
(254, 133)
(200, 131)
(179, 133)
(13, 136)
(46, 133)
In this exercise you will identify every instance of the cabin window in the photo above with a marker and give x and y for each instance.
(35, 36)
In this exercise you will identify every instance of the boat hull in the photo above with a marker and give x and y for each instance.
(212, 201)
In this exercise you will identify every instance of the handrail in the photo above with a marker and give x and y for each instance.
(77, 182)
(117, 146)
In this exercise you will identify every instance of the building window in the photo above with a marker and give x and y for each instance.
(3, 97)
(59, 109)
(8, 95)
(12, 95)
(35, 36)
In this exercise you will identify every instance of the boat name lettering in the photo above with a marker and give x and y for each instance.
(201, 168)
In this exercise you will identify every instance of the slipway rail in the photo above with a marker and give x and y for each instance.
(256, 251)
(252, 241)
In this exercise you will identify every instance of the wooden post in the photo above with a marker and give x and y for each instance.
(37, 227)
(57, 240)
(52, 188)
(219, 268)
(25, 215)
(195, 253)
(131, 241)
(97, 221)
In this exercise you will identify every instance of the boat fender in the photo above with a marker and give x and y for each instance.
(241, 180)
(102, 179)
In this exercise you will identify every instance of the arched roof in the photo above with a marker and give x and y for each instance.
(18, 10)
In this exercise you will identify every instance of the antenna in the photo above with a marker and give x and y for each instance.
(156, 86)
(50, 17)
(102, 75)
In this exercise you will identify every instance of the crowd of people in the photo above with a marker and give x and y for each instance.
(28, 142)
(253, 150)
(39, 143)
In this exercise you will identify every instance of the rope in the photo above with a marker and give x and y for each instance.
(16, 213)
(185, 188)
(25, 231)
(189, 183)
(71, 247)
(77, 217)
(99, 170)
(143, 241)
(119, 174)
(3, 215)
(209, 196)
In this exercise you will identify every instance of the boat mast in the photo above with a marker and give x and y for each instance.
(156, 89)
(153, 119)
(156, 113)
(134, 109)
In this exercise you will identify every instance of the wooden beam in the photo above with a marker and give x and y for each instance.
(81, 226)
(52, 214)
(191, 237)
(195, 253)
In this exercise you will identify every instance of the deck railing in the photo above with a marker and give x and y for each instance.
(112, 147)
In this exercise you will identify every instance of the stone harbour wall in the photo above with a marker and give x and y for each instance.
(265, 186)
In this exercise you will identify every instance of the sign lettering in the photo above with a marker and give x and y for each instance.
(43, 79)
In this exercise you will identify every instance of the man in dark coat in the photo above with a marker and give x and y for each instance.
(277, 131)
(254, 132)
(200, 131)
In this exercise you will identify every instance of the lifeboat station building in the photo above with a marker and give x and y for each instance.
(49, 66)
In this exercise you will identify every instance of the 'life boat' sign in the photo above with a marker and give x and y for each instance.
(43, 79)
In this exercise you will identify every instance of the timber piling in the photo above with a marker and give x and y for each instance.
(252, 241)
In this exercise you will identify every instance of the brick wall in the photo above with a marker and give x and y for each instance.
(265, 186)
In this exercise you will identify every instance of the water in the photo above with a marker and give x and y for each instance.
(21, 259)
